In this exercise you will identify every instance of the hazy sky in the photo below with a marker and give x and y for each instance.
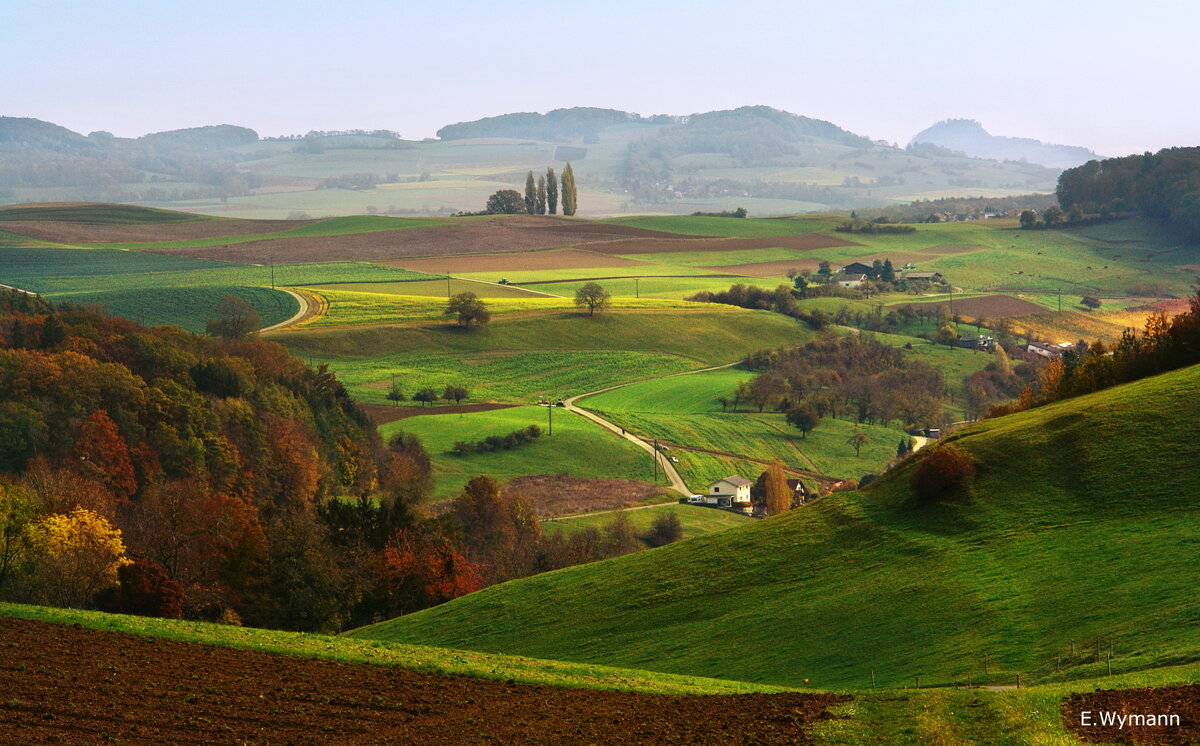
(1117, 77)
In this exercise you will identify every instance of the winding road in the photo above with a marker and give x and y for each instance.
(668, 468)
(306, 309)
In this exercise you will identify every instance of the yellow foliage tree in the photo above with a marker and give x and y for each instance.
(75, 556)
(778, 496)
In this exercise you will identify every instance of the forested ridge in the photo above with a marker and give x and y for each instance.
(1163, 185)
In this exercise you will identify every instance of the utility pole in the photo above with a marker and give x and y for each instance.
(447, 284)
(1060, 300)
(636, 289)
(550, 417)
(654, 458)
(272, 273)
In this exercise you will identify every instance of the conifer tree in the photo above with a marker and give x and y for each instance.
(530, 195)
(541, 195)
(552, 190)
(569, 196)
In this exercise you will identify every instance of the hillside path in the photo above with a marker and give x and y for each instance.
(668, 468)
(307, 308)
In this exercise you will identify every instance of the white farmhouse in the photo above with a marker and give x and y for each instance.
(729, 492)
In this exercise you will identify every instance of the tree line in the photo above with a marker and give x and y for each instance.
(1163, 185)
(155, 471)
(541, 196)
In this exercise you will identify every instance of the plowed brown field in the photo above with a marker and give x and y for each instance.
(66, 684)
(769, 269)
(87, 233)
(987, 306)
(477, 236)
(1183, 701)
(518, 262)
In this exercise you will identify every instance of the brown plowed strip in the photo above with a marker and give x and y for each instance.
(518, 262)
(85, 233)
(65, 684)
(558, 494)
(801, 242)
(986, 306)
(1183, 701)
(384, 413)
(473, 236)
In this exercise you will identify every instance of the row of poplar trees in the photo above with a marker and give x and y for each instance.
(542, 194)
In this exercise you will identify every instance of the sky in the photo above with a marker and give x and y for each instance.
(1116, 77)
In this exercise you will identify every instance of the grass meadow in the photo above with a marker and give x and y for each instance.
(1030, 559)
(695, 520)
(577, 448)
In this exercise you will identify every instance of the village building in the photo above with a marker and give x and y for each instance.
(730, 492)
(1048, 349)
(857, 268)
(923, 276)
(850, 281)
(986, 344)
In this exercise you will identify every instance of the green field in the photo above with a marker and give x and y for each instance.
(419, 658)
(1063, 537)
(435, 288)
(343, 226)
(677, 288)
(696, 520)
(187, 307)
(520, 358)
(577, 448)
(348, 308)
(736, 227)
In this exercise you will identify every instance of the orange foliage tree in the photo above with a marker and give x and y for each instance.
(73, 557)
(102, 451)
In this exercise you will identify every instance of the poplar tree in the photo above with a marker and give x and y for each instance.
(569, 196)
(530, 195)
(552, 190)
(541, 195)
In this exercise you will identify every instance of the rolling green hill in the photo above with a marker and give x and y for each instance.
(1081, 526)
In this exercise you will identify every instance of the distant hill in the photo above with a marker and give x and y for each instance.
(969, 137)
(768, 161)
(1076, 502)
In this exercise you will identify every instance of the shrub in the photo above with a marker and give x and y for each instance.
(507, 442)
(942, 473)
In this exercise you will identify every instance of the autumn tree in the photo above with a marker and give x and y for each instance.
(144, 589)
(664, 529)
(946, 335)
(570, 198)
(778, 497)
(505, 202)
(102, 452)
(541, 195)
(236, 319)
(17, 507)
(804, 418)
(455, 393)
(423, 569)
(395, 394)
(1090, 302)
(767, 388)
(942, 473)
(425, 395)
(530, 194)
(468, 309)
(500, 529)
(73, 557)
(551, 191)
(593, 296)
(857, 441)
(1028, 218)
(619, 536)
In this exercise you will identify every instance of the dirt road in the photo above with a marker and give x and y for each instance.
(668, 468)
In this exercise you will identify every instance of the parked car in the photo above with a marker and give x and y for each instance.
(695, 499)
(674, 459)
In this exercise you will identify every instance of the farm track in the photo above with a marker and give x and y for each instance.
(677, 482)
(312, 306)
(69, 684)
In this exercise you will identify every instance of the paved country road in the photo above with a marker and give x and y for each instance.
(668, 468)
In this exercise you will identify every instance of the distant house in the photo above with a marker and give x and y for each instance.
(857, 268)
(728, 492)
(850, 281)
(1049, 350)
(987, 344)
(926, 276)
(799, 493)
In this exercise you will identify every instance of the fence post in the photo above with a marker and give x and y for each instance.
(1110, 663)
(872, 679)
(1072, 647)
(918, 681)
(1018, 681)
(985, 664)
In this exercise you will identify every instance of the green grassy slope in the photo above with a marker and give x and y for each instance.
(426, 659)
(98, 213)
(1081, 524)
(695, 520)
(518, 358)
(578, 447)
